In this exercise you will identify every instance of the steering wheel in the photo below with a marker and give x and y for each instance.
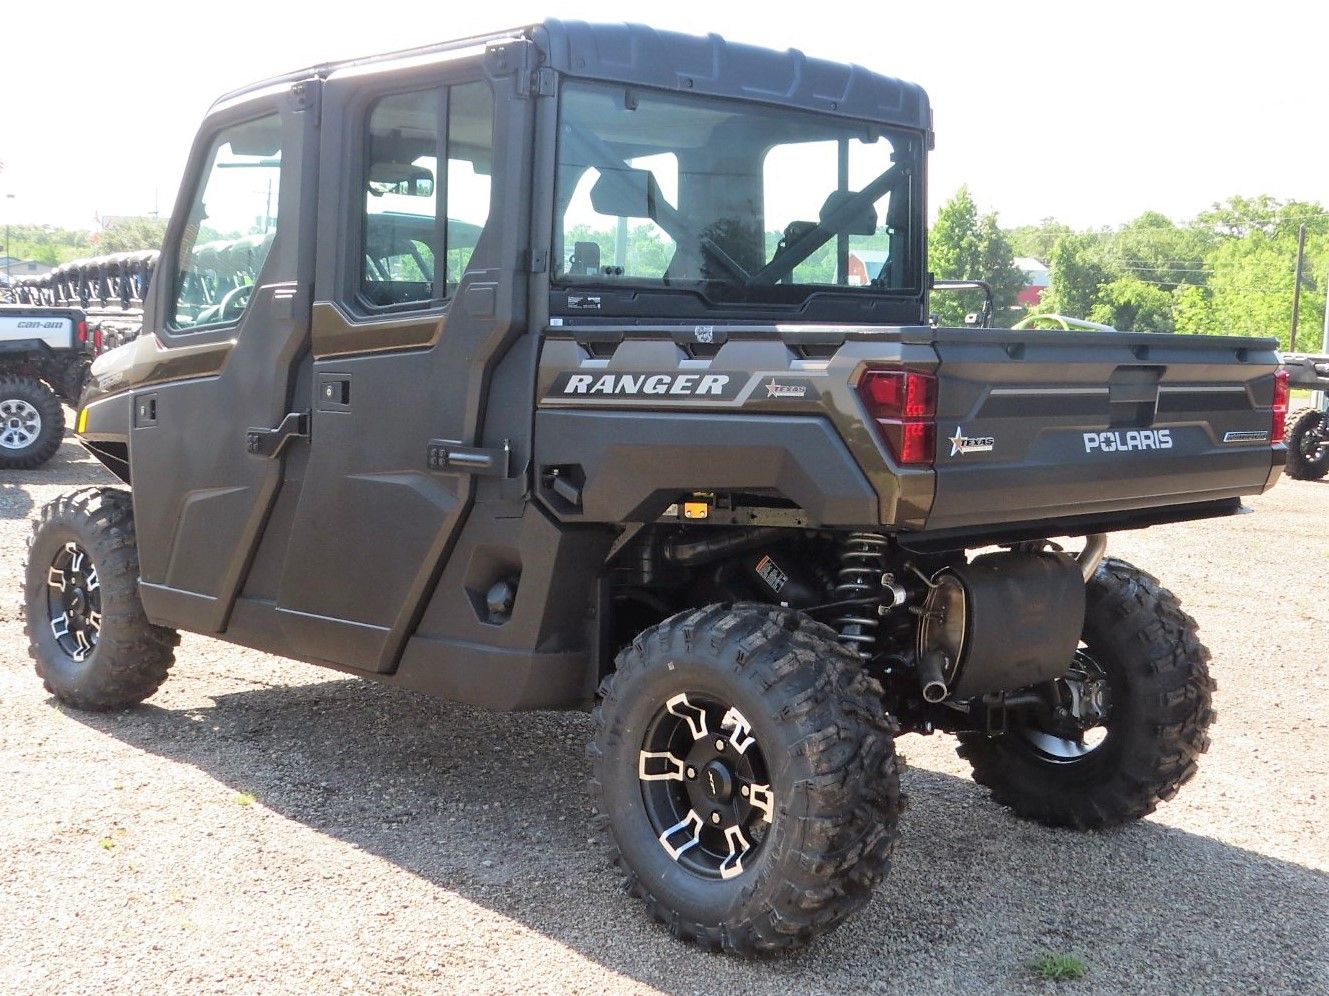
(234, 302)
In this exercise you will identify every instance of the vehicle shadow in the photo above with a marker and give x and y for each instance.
(492, 807)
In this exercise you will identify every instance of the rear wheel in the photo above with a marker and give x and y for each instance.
(1307, 445)
(87, 633)
(747, 777)
(1124, 728)
(32, 423)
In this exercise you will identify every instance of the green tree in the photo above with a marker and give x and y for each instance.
(1132, 305)
(1037, 240)
(125, 234)
(1078, 268)
(1251, 285)
(965, 245)
(1153, 249)
(46, 243)
(1192, 310)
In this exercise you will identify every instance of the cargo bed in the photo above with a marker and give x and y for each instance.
(1058, 425)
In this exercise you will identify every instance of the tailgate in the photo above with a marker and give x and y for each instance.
(54, 327)
(1041, 425)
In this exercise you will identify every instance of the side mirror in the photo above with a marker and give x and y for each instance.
(626, 193)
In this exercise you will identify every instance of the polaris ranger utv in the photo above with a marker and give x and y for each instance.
(588, 367)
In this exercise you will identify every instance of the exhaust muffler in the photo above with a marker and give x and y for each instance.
(1004, 621)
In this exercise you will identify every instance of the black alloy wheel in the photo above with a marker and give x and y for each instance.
(74, 601)
(705, 785)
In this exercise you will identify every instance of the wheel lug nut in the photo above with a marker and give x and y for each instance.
(692, 772)
(719, 745)
(743, 791)
(715, 817)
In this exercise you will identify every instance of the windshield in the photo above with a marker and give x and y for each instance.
(737, 201)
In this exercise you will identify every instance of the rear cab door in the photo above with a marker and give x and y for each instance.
(419, 289)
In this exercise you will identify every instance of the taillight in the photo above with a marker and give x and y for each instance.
(97, 339)
(903, 404)
(82, 330)
(1279, 428)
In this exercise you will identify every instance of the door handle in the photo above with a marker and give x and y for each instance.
(334, 392)
(270, 442)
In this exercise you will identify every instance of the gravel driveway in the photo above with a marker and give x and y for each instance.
(267, 827)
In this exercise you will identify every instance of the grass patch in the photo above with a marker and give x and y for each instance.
(244, 799)
(1059, 967)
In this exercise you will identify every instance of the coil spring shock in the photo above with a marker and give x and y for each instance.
(862, 563)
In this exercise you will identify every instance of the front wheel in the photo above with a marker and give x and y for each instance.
(747, 778)
(1124, 727)
(92, 644)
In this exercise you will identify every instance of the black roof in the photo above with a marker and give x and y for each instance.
(635, 53)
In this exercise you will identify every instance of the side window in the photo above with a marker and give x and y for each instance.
(415, 213)
(470, 169)
(401, 187)
(231, 226)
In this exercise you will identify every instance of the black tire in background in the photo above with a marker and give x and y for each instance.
(83, 559)
(1160, 710)
(32, 423)
(820, 736)
(1307, 443)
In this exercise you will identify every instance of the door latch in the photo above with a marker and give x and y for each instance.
(270, 442)
(450, 457)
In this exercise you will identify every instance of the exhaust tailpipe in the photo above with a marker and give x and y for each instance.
(1095, 545)
(931, 676)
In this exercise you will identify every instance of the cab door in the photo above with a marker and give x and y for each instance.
(230, 321)
(418, 291)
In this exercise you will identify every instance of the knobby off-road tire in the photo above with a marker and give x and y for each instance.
(821, 738)
(32, 423)
(83, 559)
(1160, 709)
(1304, 461)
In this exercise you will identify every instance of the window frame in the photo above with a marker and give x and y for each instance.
(199, 169)
(358, 113)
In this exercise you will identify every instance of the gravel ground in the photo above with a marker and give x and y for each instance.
(265, 826)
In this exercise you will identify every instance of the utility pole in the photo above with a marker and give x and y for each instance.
(1296, 287)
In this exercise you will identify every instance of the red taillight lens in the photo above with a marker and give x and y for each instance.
(1279, 428)
(903, 404)
(82, 331)
(97, 339)
(899, 394)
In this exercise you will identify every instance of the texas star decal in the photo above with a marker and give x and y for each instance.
(960, 443)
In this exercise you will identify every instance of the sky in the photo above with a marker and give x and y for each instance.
(1090, 113)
